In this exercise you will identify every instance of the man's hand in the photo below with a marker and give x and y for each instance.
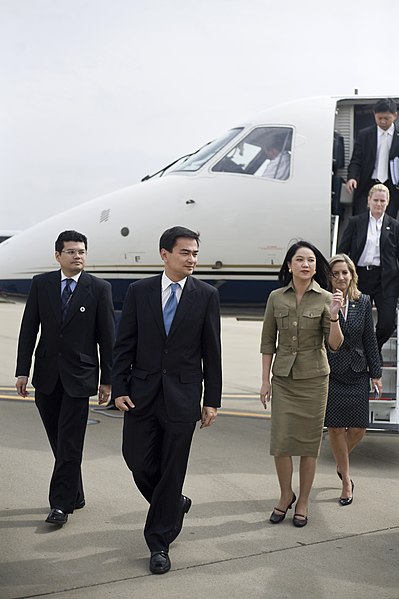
(351, 184)
(21, 384)
(124, 403)
(208, 416)
(104, 392)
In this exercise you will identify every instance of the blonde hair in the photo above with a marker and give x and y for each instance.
(379, 187)
(353, 291)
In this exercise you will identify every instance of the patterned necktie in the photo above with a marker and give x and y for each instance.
(383, 158)
(170, 307)
(65, 297)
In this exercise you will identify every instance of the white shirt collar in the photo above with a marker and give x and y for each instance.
(74, 278)
(166, 282)
(390, 131)
(378, 221)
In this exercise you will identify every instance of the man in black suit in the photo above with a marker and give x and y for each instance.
(371, 239)
(168, 347)
(372, 159)
(74, 311)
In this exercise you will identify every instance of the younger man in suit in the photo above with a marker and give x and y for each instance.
(374, 149)
(168, 347)
(74, 311)
(371, 239)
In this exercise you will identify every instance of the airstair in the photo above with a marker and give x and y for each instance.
(384, 410)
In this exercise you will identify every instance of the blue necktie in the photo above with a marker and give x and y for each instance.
(170, 307)
(65, 297)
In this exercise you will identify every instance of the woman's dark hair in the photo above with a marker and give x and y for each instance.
(322, 269)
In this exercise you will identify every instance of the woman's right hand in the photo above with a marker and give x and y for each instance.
(265, 394)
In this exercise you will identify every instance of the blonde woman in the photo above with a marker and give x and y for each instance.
(351, 368)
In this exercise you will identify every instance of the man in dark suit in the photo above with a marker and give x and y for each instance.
(168, 347)
(372, 159)
(74, 311)
(371, 239)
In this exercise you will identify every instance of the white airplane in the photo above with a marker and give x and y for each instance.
(6, 234)
(250, 193)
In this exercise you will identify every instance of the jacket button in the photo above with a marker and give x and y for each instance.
(164, 371)
(294, 338)
(294, 324)
(165, 351)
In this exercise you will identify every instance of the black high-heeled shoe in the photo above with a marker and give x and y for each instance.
(276, 518)
(299, 520)
(347, 500)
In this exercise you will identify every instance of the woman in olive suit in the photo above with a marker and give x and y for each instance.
(300, 319)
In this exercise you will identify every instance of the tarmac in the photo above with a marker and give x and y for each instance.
(227, 549)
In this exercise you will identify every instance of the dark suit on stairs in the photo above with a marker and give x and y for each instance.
(381, 284)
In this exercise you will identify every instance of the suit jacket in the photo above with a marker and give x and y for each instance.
(148, 362)
(353, 242)
(67, 350)
(302, 332)
(363, 159)
(359, 351)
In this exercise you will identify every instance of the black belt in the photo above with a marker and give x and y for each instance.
(368, 267)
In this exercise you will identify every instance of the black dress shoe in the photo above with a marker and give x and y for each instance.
(57, 517)
(159, 562)
(347, 500)
(184, 507)
(79, 505)
(276, 518)
(299, 520)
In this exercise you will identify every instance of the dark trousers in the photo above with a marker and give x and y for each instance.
(370, 284)
(360, 199)
(65, 421)
(156, 451)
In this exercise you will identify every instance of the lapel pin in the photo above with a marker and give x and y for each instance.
(388, 228)
(82, 309)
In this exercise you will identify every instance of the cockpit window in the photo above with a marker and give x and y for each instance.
(265, 152)
(195, 161)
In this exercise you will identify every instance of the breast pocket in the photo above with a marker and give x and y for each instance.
(310, 319)
(282, 319)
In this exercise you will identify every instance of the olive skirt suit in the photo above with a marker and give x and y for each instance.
(298, 336)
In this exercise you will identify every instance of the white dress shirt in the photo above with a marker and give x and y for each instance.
(371, 253)
(166, 289)
(380, 140)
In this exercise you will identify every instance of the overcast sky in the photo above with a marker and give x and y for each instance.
(95, 94)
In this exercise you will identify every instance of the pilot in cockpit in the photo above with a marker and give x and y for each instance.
(278, 159)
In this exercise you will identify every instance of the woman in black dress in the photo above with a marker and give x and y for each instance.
(352, 366)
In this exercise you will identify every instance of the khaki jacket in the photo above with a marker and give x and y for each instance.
(300, 345)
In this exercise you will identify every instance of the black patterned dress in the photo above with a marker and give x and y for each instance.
(352, 366)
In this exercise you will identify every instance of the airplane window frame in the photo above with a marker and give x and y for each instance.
(207, 152)
(267, 151)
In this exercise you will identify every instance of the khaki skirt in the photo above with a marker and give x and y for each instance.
(298, 409)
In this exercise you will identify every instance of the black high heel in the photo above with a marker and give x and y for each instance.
(276, 518)
(347, 500)
(299, 520)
